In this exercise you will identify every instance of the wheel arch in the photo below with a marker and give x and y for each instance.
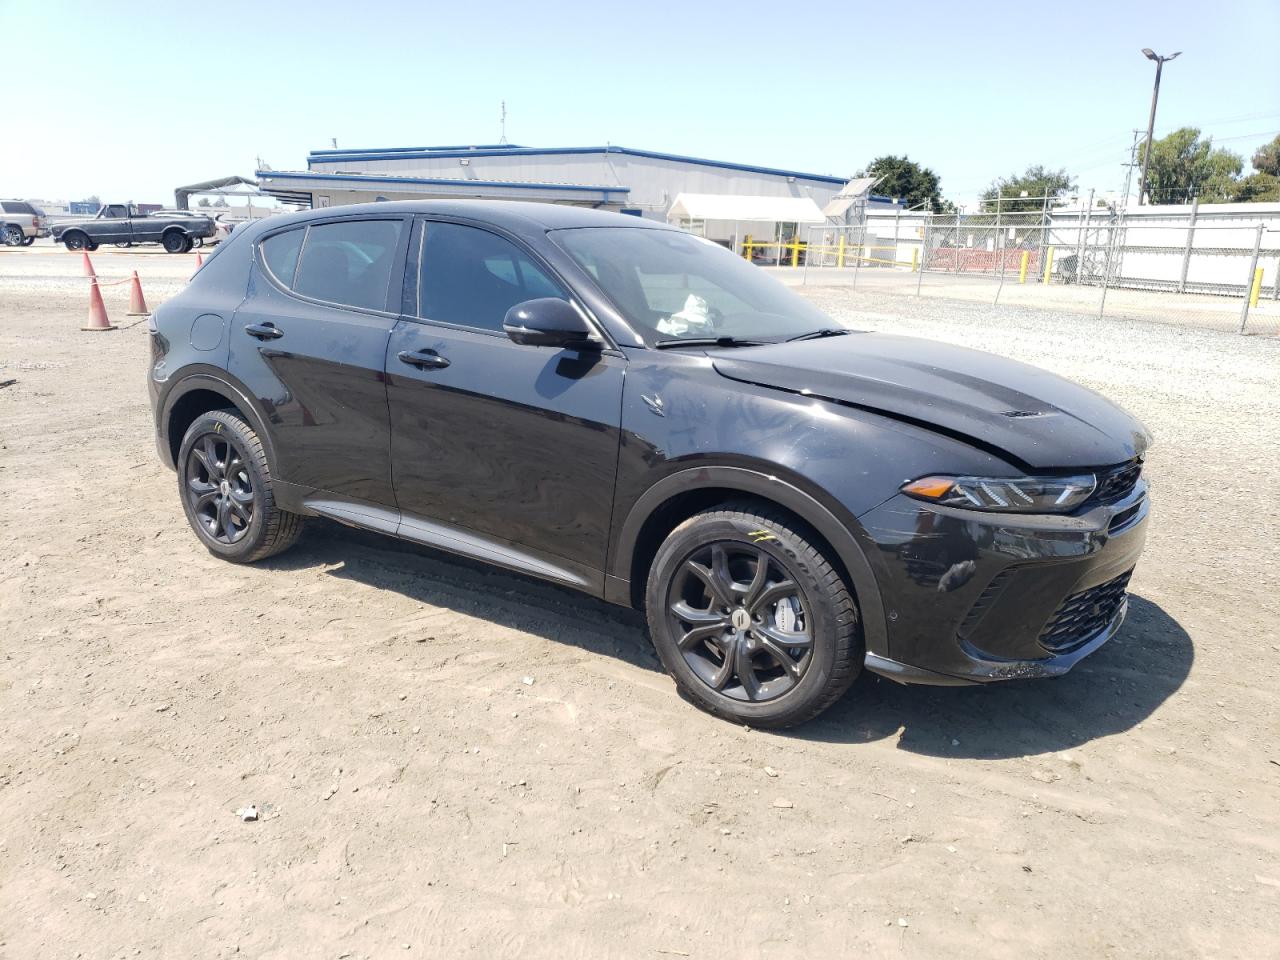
(195, 395)
(678, 496)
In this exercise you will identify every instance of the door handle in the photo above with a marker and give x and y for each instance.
(423, 359)
(264, 331)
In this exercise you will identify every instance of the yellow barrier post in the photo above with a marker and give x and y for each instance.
(795, 253)
(1022, 269)
(840, 252)
(915, 259)
(1048, 266)
(746, 248)
(1256, 289)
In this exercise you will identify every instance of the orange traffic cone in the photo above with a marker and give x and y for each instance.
(97, 310)
(199, 260)
(87, 264)
(137, 305)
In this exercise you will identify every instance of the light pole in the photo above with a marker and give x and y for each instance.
(1151, 121)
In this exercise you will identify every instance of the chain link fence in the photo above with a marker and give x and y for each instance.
(1214, 270)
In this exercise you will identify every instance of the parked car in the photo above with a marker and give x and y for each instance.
(122, 223)
(21, 223)
(627, 410)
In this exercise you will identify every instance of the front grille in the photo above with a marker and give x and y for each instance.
(1115, 483)
(1083, 615)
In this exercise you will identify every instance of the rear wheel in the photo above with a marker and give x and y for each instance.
(751, 619)
(175, 242)
(225, 483)
(12, 236)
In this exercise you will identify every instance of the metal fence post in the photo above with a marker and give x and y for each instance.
(1186, 253)
(1082, 230)
(998, 245)
(924, 252)
(1106, 269)
(857, 257)
(1248, 283)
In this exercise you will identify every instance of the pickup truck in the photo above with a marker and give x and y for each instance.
(123, 223)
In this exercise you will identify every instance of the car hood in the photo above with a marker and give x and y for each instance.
(1031, 415)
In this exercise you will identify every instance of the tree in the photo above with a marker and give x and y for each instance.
(204, 202)
(1258, 188)
(220, 202)
(1263, 185)
(1185, 166)
(909, 182)
(1267, 159)
(1036, 183)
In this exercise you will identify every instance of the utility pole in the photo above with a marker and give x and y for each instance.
(1151, 121)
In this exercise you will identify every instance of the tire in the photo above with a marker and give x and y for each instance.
(28, 241)
(224, 481)
(90, 245)
(74, 240)
(175, 241)
(12, 236)
(802, 645)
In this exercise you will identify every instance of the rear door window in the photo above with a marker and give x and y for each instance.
(280, 253)
(348, 263)
(471, 277)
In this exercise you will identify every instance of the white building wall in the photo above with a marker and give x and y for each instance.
(653, 182)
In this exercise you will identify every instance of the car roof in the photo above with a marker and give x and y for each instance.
(520, 217)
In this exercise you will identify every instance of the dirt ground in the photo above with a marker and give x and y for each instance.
(451, 761)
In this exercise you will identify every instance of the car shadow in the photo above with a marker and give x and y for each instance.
(476, 589)
(1109, 692)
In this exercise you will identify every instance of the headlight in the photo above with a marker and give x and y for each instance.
(1005, 494)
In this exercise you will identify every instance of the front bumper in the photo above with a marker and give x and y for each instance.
(975, 597)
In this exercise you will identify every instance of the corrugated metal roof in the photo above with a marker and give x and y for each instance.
(360, 178)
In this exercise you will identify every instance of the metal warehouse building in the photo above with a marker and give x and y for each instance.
(713, 198)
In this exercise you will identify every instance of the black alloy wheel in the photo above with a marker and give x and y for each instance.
(219, 488)
(751, 617)
(741, 621)
(174, 242)
(224, 479)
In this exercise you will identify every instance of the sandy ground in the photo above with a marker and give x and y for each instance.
(451, 761)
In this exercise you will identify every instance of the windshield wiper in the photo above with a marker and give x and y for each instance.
(707, 342)
(820, 334)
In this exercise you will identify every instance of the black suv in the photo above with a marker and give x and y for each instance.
(637, 413)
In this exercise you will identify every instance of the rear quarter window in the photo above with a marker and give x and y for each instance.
(11, 206)
(280, 254)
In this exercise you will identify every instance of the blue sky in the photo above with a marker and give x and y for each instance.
(129, 99)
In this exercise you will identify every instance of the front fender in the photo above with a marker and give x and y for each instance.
(843, 535)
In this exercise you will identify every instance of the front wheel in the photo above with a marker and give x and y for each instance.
(175, 242)
(751, 618)
(225, 484)
(28, 241)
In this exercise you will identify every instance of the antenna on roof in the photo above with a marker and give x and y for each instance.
(503, 128)
(334, 141)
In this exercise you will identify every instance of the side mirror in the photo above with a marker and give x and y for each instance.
(549, 322)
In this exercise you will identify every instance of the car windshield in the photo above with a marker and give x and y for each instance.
(674, 286)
